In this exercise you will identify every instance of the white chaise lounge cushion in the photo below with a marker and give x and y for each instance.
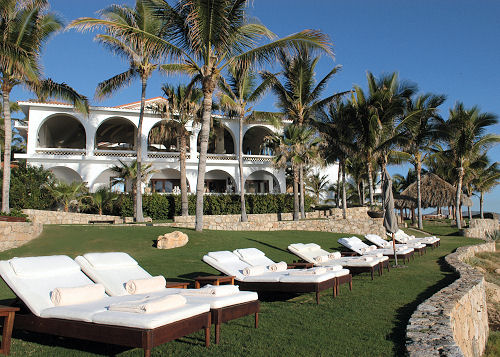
(253, 256)
(43, 266)
(110, 260)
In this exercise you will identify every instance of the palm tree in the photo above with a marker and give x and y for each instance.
(67, 193)
(25, 26)
(420, 130)
(237, 93)
(299, 94)
(357, 170)
(203, 38)
(183, 105)
(102, 197)
(486, 179)
(294, 146)
(135, 50)
(466, 139)
(317, 184)
(126, 174)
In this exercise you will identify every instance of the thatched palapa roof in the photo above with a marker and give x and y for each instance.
(435, 192)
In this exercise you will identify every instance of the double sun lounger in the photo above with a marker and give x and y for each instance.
(405, 238)
(359, 247)
(104, 318)
(252, 270)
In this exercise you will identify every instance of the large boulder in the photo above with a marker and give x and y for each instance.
(172, 240)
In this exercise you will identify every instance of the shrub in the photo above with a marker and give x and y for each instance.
(15, 213)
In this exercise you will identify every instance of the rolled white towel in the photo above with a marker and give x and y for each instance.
(77, 295)
(363, 250)
(334, 268)
(255, 270)
(372, 247)
(212, 290)
(322, 258)
(144, 286)
(150, 305)
(281, 266)
(312, 271)
(334, 255)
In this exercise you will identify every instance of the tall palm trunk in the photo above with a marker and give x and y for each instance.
(359, 193)
(7, 148)
(295, 193)
(362, 193)
(338, 186)
(370, 180)
(418, 168)
(138, 200)
(244, 217)
(344, 198)
(457, 201)
(302, 192)
(208, 86)
(481, 201)
(182, 162)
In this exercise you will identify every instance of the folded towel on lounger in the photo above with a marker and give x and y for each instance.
(212, 290)
(321, 258)
(150, 305)
(281, 266)
(145, 286)
(334, 268)
(312, 271)
(77, 295)
(334, 255)
(255, 270)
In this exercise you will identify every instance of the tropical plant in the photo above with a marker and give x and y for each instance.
(298, 93)
(103, 197)
(294, 146)
(238, 92)
(420, 130)
(317, 185)
(69, 194)
(183, 104)
(466, 140)
(126, 174)
(357, 170)
(25, 26)
(486, 178)
(143, 60)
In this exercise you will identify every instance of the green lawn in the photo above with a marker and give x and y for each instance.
(369, 321)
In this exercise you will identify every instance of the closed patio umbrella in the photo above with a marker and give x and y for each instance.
(390, 220)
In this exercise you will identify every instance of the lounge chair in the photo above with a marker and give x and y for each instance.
(404, 238)
(359, 247)
(385, 244)
(34, 279)
(229, 264)
(113, 270)
(256, 257)
(312, 252)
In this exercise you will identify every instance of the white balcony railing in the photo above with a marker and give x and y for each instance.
(258, 158)
(115, 153)
(165, 155)
(223, 157)
(60, 151)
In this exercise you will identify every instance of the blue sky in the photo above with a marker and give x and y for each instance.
(447, 47)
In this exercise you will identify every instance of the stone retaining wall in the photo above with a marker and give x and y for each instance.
(454, 321)
(357, 222)
(15, 234)
(59, 217)
(480, 228)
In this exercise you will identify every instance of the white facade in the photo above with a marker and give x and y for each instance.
(84, 148)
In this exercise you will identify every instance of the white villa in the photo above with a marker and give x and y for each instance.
(76, 147)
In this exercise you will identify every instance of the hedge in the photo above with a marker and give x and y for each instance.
(166, 206)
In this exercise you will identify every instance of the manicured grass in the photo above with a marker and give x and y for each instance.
(441, 228)
(369, 321)
(493, 346)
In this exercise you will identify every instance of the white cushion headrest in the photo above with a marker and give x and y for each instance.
(223, 256)
(36, 267)
(312, 246)
(250, 253)
(297, 246)
(109, 260)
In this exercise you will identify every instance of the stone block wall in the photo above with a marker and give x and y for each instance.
(480, 228)
(357, 222)
(59, 217)
(454, 321)
(15, 234)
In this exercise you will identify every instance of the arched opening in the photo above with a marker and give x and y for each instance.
(254, 141)
(65, 174)
(218, 181)
(109, 179)
(166, 181)
(220, 141)
(163, 138)
(262, 182)
(61, 131)
(116, 134)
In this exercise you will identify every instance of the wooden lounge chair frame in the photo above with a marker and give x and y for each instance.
(117, 335)
(231, 312)
(296, 287)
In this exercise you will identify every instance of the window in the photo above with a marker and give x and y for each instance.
(257, 186)
(164, 185)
